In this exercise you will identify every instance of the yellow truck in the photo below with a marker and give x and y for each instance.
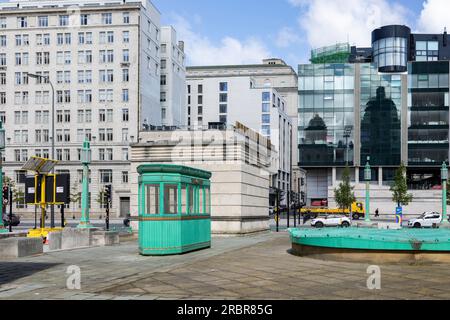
(358, 211)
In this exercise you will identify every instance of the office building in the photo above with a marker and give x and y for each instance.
(173, 79)
(215, 100)
(103, 59)
(384, 105)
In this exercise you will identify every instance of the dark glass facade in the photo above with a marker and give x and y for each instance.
(428, 113)
(326, 100)
(381, 100)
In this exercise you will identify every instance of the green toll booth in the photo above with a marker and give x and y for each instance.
(174, 209)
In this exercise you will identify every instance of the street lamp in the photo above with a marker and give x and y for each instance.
(86, 158)
(47, 79)
(347, 134)
(2, 147)
(444, 178)
(368, 178)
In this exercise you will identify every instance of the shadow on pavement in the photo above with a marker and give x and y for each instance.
(11, 271)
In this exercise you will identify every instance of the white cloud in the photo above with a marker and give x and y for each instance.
(201, 51)
(434, 16)
(327, 22)
(286, 37)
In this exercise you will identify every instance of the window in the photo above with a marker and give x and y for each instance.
(126, 55)
(265, 118)
(126, 36)
(22, 22)
(3, 22)
(170, 199)
(125, 75)
(84, 19)
(266, 96)
(125, 156)
(63, 20)
(125, 135)
(163, 97)
(163, 64)
(223, 119)
(223, 108)
(223, 86)
(106, 176)
(152, 199)
(107, 18)
(125, 177)
(125, 115)
(125, 96)
(223, 97)
(2, 40)
(126, 17)
(163, 80)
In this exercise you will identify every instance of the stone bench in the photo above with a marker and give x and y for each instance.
(16, 247)
(14, 234)
(81, 238)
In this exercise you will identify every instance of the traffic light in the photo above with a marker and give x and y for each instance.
(108, 194)
(5, 195)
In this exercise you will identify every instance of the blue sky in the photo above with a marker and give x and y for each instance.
(245, 31)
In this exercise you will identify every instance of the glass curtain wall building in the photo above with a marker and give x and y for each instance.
(326, 93)
(389, 103)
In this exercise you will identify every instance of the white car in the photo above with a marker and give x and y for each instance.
(331, 221)
(426, 220)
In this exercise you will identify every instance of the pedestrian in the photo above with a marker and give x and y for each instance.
(377, 213)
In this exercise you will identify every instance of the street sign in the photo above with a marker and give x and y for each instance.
(399, 215)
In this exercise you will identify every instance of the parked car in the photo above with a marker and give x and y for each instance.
(15, 220)
(331, 221)
(426, 220)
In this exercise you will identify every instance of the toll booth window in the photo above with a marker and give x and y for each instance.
(152, 198)
(170, 199)
(191, 199)
(207, 201)
(201, 207)
(183, 199)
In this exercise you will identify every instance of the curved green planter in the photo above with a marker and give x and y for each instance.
(414, 240)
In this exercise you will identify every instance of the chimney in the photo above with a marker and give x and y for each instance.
(445, 37)
(181, 45)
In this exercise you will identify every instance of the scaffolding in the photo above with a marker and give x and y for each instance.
(338, 53)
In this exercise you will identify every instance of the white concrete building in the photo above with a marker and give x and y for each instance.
(103, 58)
(173, 79)
(214, 96)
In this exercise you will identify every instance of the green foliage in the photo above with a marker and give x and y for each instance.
(399, 188)
(75, 195)
(344, 195)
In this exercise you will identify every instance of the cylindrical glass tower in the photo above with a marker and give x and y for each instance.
(390, 45)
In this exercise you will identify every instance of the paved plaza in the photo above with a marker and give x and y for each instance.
(254, 267)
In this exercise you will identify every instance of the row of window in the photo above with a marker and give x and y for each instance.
(64, 96)
(194, 199)
(65, 57)
(105, 37)
(63, 135)
(83, 116)
(66, 20)
(104, 154)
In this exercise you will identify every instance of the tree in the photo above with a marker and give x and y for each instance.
(399, 188)
(344, 195)
(75, 195)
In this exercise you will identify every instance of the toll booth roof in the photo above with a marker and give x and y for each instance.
(172, 168)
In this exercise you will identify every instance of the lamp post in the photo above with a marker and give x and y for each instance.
(86, 157)
(368, 178)
(2, 147)
(444, 178)
(47, 79)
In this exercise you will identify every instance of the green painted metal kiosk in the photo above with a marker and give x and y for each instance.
(174, 209)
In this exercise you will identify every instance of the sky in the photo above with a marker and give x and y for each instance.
(247, 31)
